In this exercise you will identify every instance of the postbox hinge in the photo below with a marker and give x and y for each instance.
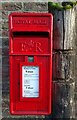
(19, 83)
(12, 34)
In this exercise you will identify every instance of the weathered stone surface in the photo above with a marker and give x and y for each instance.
(69, 29)
(10, 6)
(7, 91)
(0, 25)
(5, 86)
(5, 25)
(4, 42)
(76, 108)
(63, 65)
(63, 100)
(12, 118)
(5, 60)
(5, 51)
(0, 86)
(0, 15)
(0, 61)
(5, 32)
(0, 6)
(5, 104)
(4, 14)
(5, 96)
(0, 32)
(0, 42)
(58, 30)
(64, 29)
(5, 112)
(76, 65)
(36, 6)
(5, 72)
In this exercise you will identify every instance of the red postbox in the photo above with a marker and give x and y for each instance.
(30, 54)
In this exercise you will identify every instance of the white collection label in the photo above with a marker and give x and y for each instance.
(30, 81)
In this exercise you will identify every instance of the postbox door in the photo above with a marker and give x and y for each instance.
(41, 103)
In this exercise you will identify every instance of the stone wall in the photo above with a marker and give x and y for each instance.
(64, 42)
(64, 62)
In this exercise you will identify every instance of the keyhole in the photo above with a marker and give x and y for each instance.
(19, 83)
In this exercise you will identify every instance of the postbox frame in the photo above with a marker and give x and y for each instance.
(13, 109)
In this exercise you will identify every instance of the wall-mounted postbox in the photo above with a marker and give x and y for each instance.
(30, 63)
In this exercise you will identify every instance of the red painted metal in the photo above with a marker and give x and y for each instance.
(30, 34)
